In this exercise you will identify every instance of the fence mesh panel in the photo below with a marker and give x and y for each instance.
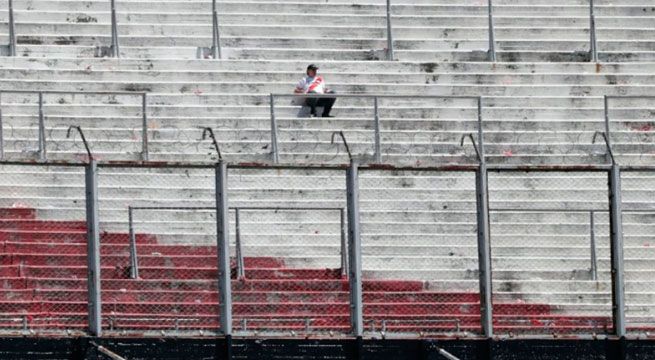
(176, 291)
(541, 252)
(419, 253)
(43, 233)
(293, 283)
(639, 246)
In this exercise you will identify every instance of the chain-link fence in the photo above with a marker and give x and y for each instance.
(43, 236)
(291, 235)
(419, 253)
(639, 249)
(171, 213)
(36, 124)
(550, 252)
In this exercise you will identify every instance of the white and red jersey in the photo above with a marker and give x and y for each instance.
(312, 84)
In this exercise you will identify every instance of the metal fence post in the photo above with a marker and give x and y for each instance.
(616, 251)
(592, 243)
(144, 127)
(134, 261)
(354, 251)
(492, 36)
(344, 243)
(216, 39)
(389, 33)
(93, 248)
(376, 124)
(115, 50)
(241, 273)
(42, 148)
(274, 150)
(12, 30)
(223, 250)
(484, 241)
(593, 51)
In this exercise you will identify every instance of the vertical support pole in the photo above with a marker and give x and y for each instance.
(274, 150)
(376, 124)
(389, 33)
(12, 30)
(134, 262)
(592, 243)
(2, 137)
(223, 250)
(344, 243)
(115, 50)
(593, 51)
(484, 241)
(144, 127)
(93, 248)
(354, 251)
(241, 273)
(42, 148)
(484, 250)
(492, 35)
(616, 251)
(216, 38)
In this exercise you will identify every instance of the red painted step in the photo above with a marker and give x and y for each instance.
(17, 213)
(40, 225)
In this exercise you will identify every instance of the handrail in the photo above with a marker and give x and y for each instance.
(12, 29)
(376, 113)
(593, 270)
(240, 267)
(41, 124)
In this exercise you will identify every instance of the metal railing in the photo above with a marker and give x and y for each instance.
(353, 229)
(240, 267)
(216, 48)
(593, 267)
(42, 140)
(377, 153)
(593, 50)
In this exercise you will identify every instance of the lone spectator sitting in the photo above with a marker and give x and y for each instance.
(314, 84)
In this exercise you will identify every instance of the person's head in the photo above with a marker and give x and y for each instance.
(311, 70)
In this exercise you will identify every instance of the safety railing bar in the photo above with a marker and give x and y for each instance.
(240, 267)
(299, 208)
(370, 96)
(12, 29)
(216, 37)
(608, 146)
(332, 167)
(74, 92)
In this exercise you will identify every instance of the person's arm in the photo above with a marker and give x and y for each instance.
(300, 87)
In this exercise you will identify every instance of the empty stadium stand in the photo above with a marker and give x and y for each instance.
(541, 104)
